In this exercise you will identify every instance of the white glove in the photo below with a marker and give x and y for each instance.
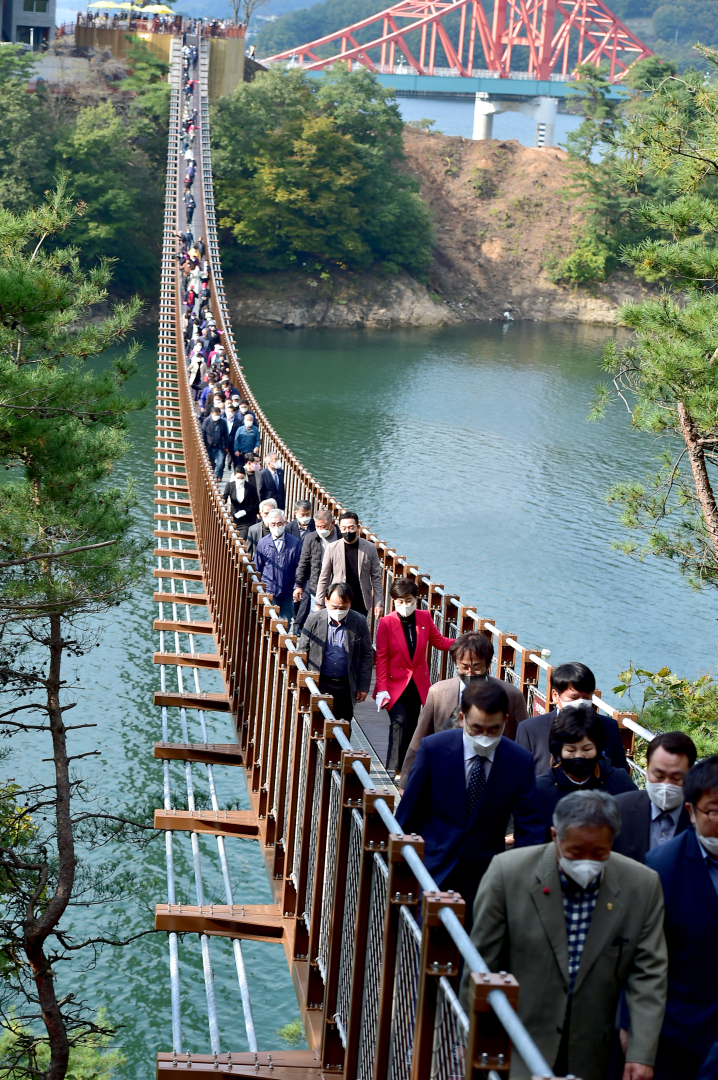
(241, 513)
(381, 697)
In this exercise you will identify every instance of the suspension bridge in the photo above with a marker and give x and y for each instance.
(372, 945)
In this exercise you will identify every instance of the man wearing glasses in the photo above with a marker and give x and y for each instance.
(688, 869)
(472, 655)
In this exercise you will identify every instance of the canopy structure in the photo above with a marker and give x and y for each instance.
(105, 6)
(157, 9)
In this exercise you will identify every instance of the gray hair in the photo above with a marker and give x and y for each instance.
(302, 504)
(274, 514)
(267, 504)
(587, 808)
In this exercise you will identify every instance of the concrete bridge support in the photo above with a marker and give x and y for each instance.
(542, 110)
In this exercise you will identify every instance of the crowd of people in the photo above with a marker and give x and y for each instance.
(599, 896)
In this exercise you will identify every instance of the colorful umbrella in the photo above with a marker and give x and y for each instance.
(158, 9)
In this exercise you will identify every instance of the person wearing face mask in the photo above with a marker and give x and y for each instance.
(246, 440)
(570, 683)
(310, 563)
(402, 669)
(464, 786)
(261, 529)
(471, 655)
(303, 524)
(276, 560)
(271, 479)
(243, 503)
(654, 816)
(356, 561)
(688, 868)
(578, 763)
(577, 925)
(338, 646)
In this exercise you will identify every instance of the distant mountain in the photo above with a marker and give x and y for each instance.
(298, 27)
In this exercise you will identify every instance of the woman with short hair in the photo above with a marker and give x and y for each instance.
(402, 668)
(577, 741)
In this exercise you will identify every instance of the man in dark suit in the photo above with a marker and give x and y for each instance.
(303, 523)
(654, 816)
(231, 423)
(338, 646)
(271, 480)
(315, 544)
(688, 869)
(570, 684)
(464, 786)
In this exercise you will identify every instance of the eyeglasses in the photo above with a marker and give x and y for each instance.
(712, 814)
(471, 669)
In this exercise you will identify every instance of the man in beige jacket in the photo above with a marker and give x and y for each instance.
(472, 654)
(356, 561)
(577, 924)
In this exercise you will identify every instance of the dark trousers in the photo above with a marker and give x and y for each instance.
(403, 718)
(343, 707)
(675, 1063)
(301, 611)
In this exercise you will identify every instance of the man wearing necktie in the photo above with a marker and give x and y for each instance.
(463, 788)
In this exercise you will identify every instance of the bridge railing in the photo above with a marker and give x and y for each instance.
(374, 945)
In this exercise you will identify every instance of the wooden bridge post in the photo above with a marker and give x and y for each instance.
(351, 796)
(488, 1045)
(439, 956)
(402, 888)
(285, 750)
(528, 671)
(375, 838)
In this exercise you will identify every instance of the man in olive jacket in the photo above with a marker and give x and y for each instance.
(570, 985)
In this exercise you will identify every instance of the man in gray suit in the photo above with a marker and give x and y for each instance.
(472, 654)
(356, 561)
(338, 646)
(652, 817)
(577, 924)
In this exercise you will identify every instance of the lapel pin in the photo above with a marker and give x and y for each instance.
(610, 907)
(547, 890)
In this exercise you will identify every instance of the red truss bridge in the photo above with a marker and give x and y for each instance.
(559, 35)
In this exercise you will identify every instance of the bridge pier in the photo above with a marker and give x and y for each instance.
(543, 111)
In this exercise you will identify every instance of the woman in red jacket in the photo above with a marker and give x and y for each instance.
(402, 669)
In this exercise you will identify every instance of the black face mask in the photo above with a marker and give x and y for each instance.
(472, 680)
(350, 537)
(578, 768)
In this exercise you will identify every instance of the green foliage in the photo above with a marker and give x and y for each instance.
(646, 74)
(666, 702)
(298, 27)
(667, 376)
(693, 20)
(113, 152)
(89, 1059)
(292, 1033)
(305, 169)
(596, 185)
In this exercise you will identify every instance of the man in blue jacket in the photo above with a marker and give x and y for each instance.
(688, 869)
(276, 560)
(463, 787)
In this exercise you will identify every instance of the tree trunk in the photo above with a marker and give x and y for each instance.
(704, 490)
(37, 930)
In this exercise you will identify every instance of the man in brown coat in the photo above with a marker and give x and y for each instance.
(472, 654)
(577, 924)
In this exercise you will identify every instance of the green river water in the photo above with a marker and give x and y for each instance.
(468, 450)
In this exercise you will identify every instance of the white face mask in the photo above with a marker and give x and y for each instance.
(710, 843)
(277, 531)
(304, 521)
(583, 871)
(579, 703)
(482, 744)
(338, 613)
(665, 796)
(405, 608)
(324, 533)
